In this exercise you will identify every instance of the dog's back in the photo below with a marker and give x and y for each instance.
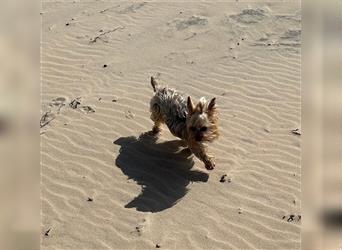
(169, 107)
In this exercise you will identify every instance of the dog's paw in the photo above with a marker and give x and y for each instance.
(210, 165)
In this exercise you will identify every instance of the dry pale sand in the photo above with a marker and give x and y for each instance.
(146, 192)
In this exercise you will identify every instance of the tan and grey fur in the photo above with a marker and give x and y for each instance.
(195, 124)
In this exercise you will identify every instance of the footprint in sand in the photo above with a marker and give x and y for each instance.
(132, 8)
(55, 105)
(76, 104)
(182, 24)
(290, 38)
(58, 103)
(249, 16)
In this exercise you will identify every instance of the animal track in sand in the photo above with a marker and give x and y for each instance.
(57, 104)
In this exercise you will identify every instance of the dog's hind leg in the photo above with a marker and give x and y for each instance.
(157, 118)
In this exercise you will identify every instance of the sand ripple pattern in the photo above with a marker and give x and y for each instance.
(108, 184)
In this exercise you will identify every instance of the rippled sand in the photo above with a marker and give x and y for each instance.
(106, 184)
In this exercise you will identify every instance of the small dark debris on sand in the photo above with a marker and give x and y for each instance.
(90, 199)
(193, 35)
(158, 246)
(74, 103)
(223, 178)
(239, 211)
(47, 232)
(103, 11)
(105, 65)
(114, 100)
(100, 98)
(294, 201)
(138, 230)
(296, 131)
(290, 218)
(238, 43)
(67, 24)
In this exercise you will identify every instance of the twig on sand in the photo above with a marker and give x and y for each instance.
(193, 34)
(103, 11)
(93, 40)
(44, 120)
(296, 131)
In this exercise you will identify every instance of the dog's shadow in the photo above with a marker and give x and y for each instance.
(163, 170)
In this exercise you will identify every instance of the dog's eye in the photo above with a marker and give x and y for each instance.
(204, 129)
(192, 128)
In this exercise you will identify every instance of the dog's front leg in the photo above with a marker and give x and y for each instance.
(201, 152)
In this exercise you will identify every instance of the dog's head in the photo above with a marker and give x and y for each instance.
(202, 120)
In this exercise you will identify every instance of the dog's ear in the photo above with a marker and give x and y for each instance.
(190, 105)
(200, 107)
(212, 106)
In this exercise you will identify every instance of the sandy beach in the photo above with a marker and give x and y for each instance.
(105, 184)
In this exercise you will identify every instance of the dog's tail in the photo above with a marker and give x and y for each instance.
(154, 84)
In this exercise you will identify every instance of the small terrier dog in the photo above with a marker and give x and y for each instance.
(196, 125)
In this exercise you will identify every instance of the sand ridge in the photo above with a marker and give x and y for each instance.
(97, 58)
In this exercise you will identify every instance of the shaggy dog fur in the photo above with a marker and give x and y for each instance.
(195, 124)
